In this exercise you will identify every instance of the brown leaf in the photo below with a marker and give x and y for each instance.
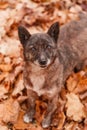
(82, 86)
(75, 109)
(3, 127)
(10, 79)
(3, 4)
(73, 126)
(85, 127)
(9, 111)
(14, 51)
(75, 9)
(68, 126)
(5, 67)
(39, 1)
(3, 92)
(59, 120)
(71, 83)
(3, 76)
(19, 86)
(73, 80)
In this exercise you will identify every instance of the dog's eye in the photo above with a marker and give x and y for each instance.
(48, 46)
(33, 48)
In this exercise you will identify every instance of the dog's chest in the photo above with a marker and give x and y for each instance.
(37, 81)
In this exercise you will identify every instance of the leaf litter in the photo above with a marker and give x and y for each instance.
(37, 16)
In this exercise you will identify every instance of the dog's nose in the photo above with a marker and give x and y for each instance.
(42, 62)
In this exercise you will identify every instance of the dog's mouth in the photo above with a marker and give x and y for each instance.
(45, 65)
(42, 64)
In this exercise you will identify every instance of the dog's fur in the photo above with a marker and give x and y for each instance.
(49, 61)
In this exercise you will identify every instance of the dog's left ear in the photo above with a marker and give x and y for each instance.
(53, 31)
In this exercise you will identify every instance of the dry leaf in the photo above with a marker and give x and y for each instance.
(9, 111)
(39, 1)
(3, 92)
(68, 126)
(3, 127)
(73, 126)
(14, 45)
(85, 127)
(75, 109)
(75, 9)
(3, 76)
(7, 60)
(10, 79)
(3, 4)
(61, 120)
(5, 67)
(19, 86)
(82, 86)
(73, 80)
(71, 83)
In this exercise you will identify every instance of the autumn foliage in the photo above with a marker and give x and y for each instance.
(37, 16)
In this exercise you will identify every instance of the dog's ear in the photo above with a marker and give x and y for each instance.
(23, 34)
(53, 31)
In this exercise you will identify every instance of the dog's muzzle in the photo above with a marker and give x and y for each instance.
(43, 63)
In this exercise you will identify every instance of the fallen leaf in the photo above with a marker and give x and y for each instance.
(9, 110)
(75, 109)
(75, 9)
(39, 1)
(6, 67)
(3, 4)
(3, 76)
(4, 47)
(3, 92)
(68, 126)
(81, 86)
(73, 126)
(19, 86)
(59, 120)
(73, 81)
(3, 127)
(85, 127)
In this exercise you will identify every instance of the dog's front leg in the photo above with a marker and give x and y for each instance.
(32, 97)
(52, 106)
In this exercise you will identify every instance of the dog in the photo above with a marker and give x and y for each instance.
(49, 60)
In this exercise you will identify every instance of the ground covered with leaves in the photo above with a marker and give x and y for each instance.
(37, 16)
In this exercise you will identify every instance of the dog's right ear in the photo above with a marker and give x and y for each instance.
(23, 34)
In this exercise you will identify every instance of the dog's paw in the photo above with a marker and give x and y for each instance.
(27, 118)
(46, 122)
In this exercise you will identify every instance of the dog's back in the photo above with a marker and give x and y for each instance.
(72, 44)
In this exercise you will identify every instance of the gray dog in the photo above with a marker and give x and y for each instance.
(49, 59)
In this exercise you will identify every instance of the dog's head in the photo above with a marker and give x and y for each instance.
(40, 48)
